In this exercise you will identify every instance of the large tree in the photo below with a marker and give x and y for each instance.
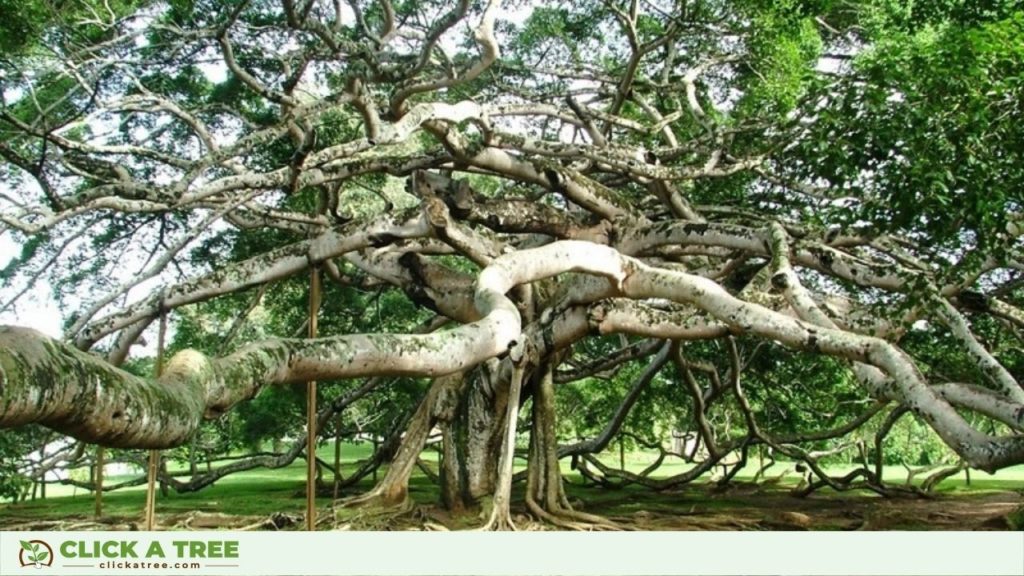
(781, 181)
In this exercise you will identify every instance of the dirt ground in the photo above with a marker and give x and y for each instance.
(780, 511)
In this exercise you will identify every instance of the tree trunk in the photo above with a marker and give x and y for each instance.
(545, 492)
(501, 511)
(544, 479)
(471, 438)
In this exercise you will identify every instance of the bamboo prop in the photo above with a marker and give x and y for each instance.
(154, 455)
(97, 480)
(311, 427)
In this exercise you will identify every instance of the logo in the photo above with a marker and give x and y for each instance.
(35, 553)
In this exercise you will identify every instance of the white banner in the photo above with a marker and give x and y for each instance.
(511, 554)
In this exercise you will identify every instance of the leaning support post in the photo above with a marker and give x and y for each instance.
(151, 472)
(154, 455)
(311, 427)
(97, 480)
(337, 456)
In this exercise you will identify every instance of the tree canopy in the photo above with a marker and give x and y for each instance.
(762, 223)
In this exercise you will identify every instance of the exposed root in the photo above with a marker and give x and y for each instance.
(276, 521)
(370, 511)
(371, 498)
(499, 523)
(381, 496)
(569, 519)
(198, 520)
(499, 519)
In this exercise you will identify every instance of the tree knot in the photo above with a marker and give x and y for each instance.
(780, 281)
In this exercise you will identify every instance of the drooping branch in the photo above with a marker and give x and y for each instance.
(273, 265)
(53, 384)
(984, 359)
(196, 385)
(610, 363)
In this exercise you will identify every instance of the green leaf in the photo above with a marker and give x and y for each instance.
(26, 545)
(41, 556)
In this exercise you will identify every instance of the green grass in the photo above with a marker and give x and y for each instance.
(263, 491)
(258, 491)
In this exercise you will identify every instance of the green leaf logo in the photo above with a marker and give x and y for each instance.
(35, 554)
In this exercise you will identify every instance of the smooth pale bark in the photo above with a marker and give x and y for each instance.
(1005, 408)
(273, 265)
(51, 383)
(904, 383)
(48, 382)
(736, 237)
(984, 401)
(988, 364)
(784, 278)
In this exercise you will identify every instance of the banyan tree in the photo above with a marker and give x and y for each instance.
(555, 189)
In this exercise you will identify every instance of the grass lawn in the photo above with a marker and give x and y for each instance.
(264, 492)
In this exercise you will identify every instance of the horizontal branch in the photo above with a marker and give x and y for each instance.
(51, 383)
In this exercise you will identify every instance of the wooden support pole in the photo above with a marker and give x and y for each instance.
(97, 480)
(311, 427)
(337, 456)
(154, 455)
(151, 471)
(375, 455)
